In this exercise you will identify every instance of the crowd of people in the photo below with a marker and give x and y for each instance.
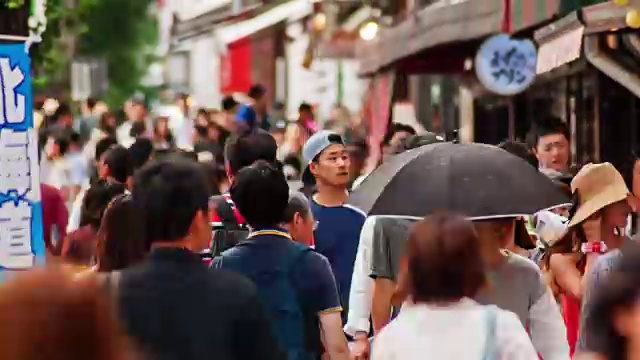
(180, 238)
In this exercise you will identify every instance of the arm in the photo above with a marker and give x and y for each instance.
(565, 273)
(383, 290)
(546, 326)
(333, 338)
(361, 284)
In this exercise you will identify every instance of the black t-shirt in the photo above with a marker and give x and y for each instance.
(174, 307)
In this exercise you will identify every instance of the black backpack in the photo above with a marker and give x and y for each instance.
(230, 232)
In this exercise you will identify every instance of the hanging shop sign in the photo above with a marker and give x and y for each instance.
(506, 66)
(21, 233)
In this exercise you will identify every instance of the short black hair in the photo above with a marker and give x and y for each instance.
(396, 128)
(63, 110)
(91, 102)
(257, 91)
(62, 140)
(247, 148)
(103, 145)
(141, 151)
(305, 107)
(298, 204)
(168, 194)
(546, 126)
(74, 137)
(119, 162)
(520, 150)
(261, 194)
(228, 103)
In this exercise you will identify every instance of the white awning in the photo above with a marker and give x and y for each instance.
(561, 50)
(290, 11)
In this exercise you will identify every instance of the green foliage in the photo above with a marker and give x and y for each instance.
(14, 4)
(123, 32)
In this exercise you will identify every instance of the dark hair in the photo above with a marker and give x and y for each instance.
(261, 194)
(103, 145)
(444, 261)
(215, 174)
(91, 103)
(121, 240)
(63, 110)
(138, 128)
(140, 152)
(168, 194)
(294, 161)
(256, 91)
(245, 149)
(620, 291)
(169, 136)
(305, 107)
(396, 128)
(62, 140)
(228, 103)
(547, 126)
(298, 204)
(201, 130)
(520, 150)
(119, 162)
(96, 200)
(570, 241)
(626, 170)
(102, 123)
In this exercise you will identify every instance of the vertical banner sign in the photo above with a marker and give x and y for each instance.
(21, 234)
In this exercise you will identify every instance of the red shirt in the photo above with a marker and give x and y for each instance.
(54, 212)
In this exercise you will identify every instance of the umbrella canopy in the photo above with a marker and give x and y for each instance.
(477, 180)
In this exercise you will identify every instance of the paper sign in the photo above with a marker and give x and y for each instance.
(21, 234)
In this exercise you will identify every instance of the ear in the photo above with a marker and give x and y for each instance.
(313, 168)
(297, 218)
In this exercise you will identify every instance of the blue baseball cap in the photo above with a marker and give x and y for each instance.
(314, 146)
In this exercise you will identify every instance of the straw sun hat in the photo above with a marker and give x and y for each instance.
(598, 186)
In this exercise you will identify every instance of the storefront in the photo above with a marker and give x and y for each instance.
(587, 66)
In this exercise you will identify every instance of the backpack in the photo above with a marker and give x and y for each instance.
(280, 298)
(230, 232)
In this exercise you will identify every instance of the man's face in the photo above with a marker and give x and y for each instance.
(103, 169)
(332, 166)
(301, 228)
(200, 231)
(397, 138)
(552, 152)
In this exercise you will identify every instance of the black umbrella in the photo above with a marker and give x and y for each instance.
(477, 180)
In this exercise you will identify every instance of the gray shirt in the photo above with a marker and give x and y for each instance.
(515, 286)
(389, 239)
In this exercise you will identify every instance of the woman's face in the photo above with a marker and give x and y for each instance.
(616, 214)
(110, 122)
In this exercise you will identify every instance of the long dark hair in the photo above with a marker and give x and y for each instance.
(571, 241)
(121, 241)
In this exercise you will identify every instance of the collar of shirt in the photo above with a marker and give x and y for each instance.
(274, 231)
(179, 255)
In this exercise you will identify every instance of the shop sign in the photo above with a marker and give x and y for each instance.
(21, 234)
(506, 66)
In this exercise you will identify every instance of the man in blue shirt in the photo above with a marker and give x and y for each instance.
(294, 282)
(338, 231)
(254, 115)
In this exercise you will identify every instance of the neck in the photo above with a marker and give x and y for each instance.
(633, 350)
(330, 195)
(180, 244)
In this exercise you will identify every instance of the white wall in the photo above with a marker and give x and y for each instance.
(204, 72)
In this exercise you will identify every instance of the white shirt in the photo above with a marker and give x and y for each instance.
(76, 208)
(361, 290)
(182, 129)
(455, 332)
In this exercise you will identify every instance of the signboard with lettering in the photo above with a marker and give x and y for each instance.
(506, 66)
(21, 234)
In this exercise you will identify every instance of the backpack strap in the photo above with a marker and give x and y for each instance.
(490, 349)
(226, 213)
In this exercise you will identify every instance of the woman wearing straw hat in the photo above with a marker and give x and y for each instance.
(597, 217)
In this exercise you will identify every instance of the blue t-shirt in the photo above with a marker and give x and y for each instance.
(247, 115)
(337, 237)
